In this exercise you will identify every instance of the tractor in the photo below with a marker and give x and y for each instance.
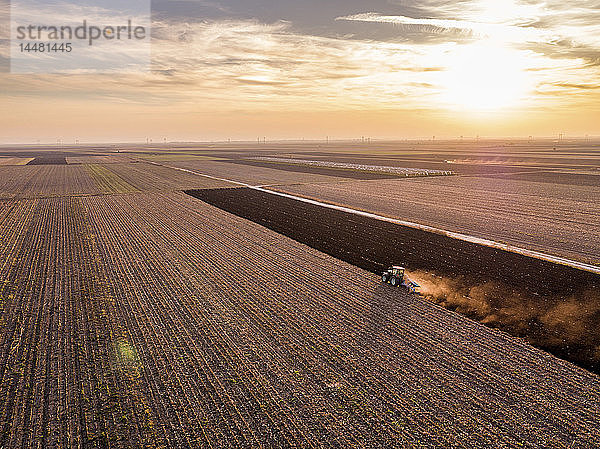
(395, 276)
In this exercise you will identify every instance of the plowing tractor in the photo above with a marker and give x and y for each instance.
(395, 276)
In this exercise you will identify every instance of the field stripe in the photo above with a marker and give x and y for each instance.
(455, 235)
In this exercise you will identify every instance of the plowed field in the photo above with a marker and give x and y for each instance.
(528, 297)
(552, 218)
(133, 315)
(157, 320)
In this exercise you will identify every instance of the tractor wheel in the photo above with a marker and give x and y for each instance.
(394, 281)
(384, 278)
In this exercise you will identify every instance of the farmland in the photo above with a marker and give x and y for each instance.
(555, 218)
(533, 195)
(521, 295)
(134, 315)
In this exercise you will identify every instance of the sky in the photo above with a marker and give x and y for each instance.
(387, 69)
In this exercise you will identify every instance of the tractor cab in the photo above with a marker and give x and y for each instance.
(393, 275)
(397, 271)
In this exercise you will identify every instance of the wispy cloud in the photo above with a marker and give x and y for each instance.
(427, 25)
(579, 86)
(523, 32)
(552, 22)
(256, 60)
(562, 38)
(231, 64)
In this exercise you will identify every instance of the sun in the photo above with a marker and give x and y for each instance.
(485, 77)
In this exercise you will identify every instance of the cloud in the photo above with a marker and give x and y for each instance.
(461, 28)
(578, 86)
(260, 81)
(563, 39)
(257, 59)
(249, 64)
(425, 24)
(567, 29)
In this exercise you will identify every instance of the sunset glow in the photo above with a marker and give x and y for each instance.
(430, 67)
(485, 76)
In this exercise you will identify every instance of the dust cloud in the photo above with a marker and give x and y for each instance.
(567, 326)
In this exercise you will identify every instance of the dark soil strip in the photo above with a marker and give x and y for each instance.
(374, 245)
(49, 160)
(335, 172)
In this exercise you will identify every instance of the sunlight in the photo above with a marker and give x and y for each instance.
(485, 76)
(498, 12)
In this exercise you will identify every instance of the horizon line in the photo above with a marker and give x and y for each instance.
(262, 141)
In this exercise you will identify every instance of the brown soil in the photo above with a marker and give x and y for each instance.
(521, 295)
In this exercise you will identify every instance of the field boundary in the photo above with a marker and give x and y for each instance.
(454, 235)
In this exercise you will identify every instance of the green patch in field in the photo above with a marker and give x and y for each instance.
(108, 181)
(126, 354)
